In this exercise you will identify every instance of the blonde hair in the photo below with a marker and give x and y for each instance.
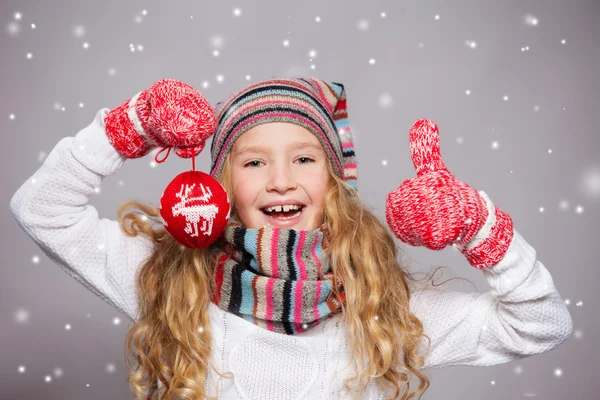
(174, 289)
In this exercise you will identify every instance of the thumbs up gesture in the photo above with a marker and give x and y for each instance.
(436, 210)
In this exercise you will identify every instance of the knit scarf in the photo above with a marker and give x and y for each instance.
(279, 279)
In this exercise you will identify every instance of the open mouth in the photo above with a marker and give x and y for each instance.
(283, 212)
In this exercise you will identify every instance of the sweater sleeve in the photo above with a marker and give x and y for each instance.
(52, 208)
(523, 314)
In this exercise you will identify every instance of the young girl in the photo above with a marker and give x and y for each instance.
(302, 296)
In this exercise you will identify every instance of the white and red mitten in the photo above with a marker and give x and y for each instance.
(168, 114)
(436, 210)
(194, 207)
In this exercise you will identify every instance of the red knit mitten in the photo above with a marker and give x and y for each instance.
(168, 114)
(436, 210)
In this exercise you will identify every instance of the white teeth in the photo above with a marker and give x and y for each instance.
(285, 208)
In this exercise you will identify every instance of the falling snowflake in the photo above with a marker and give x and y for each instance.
(386, 100)
(79, 31)
(363, 25)
(216, 41)
(21, 316)
(531, 20)
(13, 28)
(590, 181)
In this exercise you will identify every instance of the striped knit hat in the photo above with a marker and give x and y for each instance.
(311, 103)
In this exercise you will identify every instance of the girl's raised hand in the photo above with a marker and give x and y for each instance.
(168, 114)
(436, 210)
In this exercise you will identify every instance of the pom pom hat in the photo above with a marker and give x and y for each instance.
(316, 105)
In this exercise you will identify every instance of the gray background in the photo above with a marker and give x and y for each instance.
(535, 154)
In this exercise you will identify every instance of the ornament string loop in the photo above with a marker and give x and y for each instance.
(165, 157)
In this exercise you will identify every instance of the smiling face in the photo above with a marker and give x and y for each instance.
(279, 163)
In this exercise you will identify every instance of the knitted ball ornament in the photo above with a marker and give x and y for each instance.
(195, 209)
(314, 104)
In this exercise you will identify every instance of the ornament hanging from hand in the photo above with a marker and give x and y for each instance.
(195, 209)
(171, 114)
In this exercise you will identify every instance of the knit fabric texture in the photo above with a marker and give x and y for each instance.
(311, 103)
(414, 209)
(521, 314)
(168, 114)
(279, 279)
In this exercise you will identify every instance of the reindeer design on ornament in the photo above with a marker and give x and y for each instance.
(193, 212)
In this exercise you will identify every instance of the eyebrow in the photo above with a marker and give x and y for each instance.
(260, 149)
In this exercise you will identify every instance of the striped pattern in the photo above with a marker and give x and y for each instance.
(276, 278)
(316, 105)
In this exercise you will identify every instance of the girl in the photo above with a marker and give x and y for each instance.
(302, 295)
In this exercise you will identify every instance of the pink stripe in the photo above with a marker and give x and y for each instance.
(350, 165)
(271, 282)
(274, 245)
(298, 301)
(293, 116)
(299, 260)
(269, 313)
(318, 293)
(347, 145)
(303, 276)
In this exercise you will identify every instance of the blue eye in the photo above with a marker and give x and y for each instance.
(248, 164)
(306, 158)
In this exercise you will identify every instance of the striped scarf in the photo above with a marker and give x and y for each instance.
(276, 278)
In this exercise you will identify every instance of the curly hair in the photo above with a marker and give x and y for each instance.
(170, 342)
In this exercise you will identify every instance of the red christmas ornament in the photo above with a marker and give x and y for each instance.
(195, 209)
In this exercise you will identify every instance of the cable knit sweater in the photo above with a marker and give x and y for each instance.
(523, 314)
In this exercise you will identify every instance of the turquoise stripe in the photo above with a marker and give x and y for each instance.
(295, 248)
(247, 296)
(251, 243)
(342, 123)
(326, 288)
(337, 88)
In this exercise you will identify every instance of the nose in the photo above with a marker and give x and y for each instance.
(281, 179)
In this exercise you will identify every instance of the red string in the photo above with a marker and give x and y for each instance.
(167, 155)
(161, 150)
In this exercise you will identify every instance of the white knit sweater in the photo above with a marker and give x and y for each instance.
(523, 314)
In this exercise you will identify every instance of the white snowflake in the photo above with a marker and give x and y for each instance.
(471, 44)
(13, 28)
(531, 20)
(385, 100)
(363, 25)
(79, 31)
